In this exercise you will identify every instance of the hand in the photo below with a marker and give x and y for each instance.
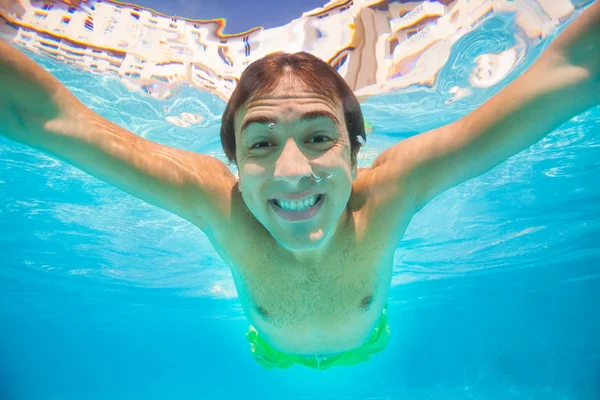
(31, 100)
(574, 57)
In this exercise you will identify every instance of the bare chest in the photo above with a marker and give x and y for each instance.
(279, 292)
(325, 307)
(332, 305)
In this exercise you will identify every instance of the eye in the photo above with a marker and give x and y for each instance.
(260, 145)
(320, 139)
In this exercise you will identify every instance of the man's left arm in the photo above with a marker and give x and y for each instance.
(562, 83)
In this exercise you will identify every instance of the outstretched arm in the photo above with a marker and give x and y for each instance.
(37, 110)
(562, 83)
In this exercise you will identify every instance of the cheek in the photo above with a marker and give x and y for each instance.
(333, 157)
(254, 170)
(251, 176)
(344, 150)
(340, 159)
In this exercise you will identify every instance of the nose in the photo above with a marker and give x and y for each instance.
(292, 165)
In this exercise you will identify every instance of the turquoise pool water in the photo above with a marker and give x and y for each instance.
(495, 287)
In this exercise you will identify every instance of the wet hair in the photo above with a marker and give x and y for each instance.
(263, 76)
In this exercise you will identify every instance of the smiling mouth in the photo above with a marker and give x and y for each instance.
(297, 206)
(298, 210)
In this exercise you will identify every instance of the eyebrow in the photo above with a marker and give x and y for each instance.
(307, 116)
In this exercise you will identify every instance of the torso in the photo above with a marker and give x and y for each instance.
(312, 309)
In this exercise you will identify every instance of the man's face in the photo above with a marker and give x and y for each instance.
(281, 139)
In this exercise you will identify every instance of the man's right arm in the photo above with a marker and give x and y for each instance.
(37, 110)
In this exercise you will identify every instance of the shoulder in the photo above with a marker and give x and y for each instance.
(380, 207)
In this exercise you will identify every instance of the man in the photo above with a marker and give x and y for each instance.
(309, 237)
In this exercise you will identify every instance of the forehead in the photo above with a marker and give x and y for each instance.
(287, 103)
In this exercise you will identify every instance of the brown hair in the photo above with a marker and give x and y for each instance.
(263, 76)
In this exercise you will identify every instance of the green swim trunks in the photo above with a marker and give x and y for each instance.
(269, 358)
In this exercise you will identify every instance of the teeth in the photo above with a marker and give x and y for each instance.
(297, 205)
